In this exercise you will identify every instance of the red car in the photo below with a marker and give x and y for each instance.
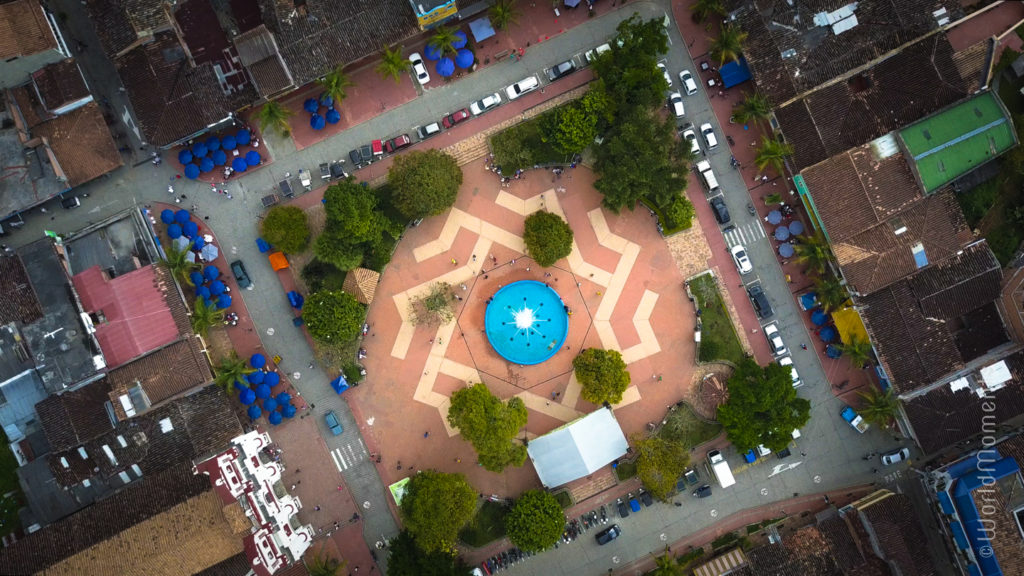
(397, 143)
(455, 117)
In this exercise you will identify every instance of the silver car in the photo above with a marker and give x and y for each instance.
(484, 104)
(895, 457)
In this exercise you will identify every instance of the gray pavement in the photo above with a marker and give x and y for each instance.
(833, 450)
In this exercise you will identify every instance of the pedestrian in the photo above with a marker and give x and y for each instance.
(293, 486)
(297, 470)
(317, 507)
(426, 434)
(474, 257)
(874, 470)
(803, 346)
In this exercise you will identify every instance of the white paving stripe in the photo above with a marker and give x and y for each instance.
(744, 234)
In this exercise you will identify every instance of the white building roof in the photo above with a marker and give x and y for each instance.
(578, 448)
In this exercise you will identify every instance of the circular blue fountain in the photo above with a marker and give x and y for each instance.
(526, 322)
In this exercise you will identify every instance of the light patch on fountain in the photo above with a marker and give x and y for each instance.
(524, 318)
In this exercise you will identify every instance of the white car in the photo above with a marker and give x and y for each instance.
(709, 135)
(687, 82)
(484, 104)
(664, 71)
(528, 84)
(592, 55)
(691, 136)
(787, 361)
(739, 257)
(675, 101)
(771, 332)
(895, 457)
(418, 68)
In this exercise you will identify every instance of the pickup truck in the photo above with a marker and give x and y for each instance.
(854, 419)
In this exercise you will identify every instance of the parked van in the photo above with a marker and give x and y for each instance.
(704, 169)
(721, 469)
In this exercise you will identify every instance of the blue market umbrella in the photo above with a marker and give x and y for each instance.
(211, 273)
(243, 137)
(191, 171)
(272, 379)
(239, 165)
(311, 105)
(333, 116)
(174, 231)
(167, 215)
(216, 287)
(258, 361)
(185, 156)
(288, 411)
(252, 158)
(254, 412)
(464, 58)
(572, 3)
(263, 391)
(239, 385)
(247, 396)
(206, 164)
(269, 405)
(283, 398)
(258, 377)
(275, 418)
(431, 52)
(796, 227)
(196, 278)
(224, 302)
(213, 143)
(219, 158)
(326, 100)
(461, 39)
(317, 122)
(203, 292)
(199, 150)
(833, 352)
(786, 250)
(774, 217)
(228, 142)
(182, 243)
(208, 302)
(182, 216)
(781, 233)
(190, 229)
(828, 334)
(445, 67)
(819, 317)
(198, 242)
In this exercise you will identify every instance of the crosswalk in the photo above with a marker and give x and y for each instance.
(744, 234)
(349, 455)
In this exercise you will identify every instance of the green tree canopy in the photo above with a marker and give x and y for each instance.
(286, 228)
(548, 238)
(728, 45)
(535, 522)
(503, 14)
(178, 264)
(858, 351)
(490, 425)
(336, 84)
(204, 317)
(629, 73)
(755, 108)
(435, 506)
(434, 309)
(879, 408)
(704, 9)
(355, 226)
(814, 252)
(274, 115)
(333, 316)
(321, 565)
(659, 463)
(772, 154)
(230, 370)
(572, 128)
(679, 213)
(763, 407)
(425, 183)
(392, 64)
(602, 375)
(405, 558)
(444, 39)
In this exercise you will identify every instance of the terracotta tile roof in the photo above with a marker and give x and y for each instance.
(259, 54)
(327, 33)
(18, 302)
(951, 290)
(108, 518)
(1001, 499)
(25, 102)
(121, 23)
(75, 417)
(804, 552)
(362, 284)
(943, 417)
(923, 78)
(899, 535)
(232, 566)
(842, 542)
(162, 374)
(82, 144)
(24, 30)
(60, 83)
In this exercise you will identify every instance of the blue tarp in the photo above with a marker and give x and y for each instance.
(481, 29)
(296, 300)
(734, 73)
(263, 245)
(339, 384)
(958, 533)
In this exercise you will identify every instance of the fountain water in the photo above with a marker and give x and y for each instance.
(526, 322)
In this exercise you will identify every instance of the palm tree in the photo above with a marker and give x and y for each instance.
(230, 370)
(858, 350)
(503, 14)
(392, 64)
(335, 83)
(444, 40)
(831, 292)
(728, 45)
(178, 264)
(704, 9)
(275, 116)
(205, 317)
(754, 108)
(324, 566)
(666, 565)
(879, 408)
(772, 154)
(814, 252)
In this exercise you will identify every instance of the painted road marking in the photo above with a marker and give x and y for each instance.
(745, 234)
(349, 455)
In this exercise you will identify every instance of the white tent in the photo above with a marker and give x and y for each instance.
(578, 448)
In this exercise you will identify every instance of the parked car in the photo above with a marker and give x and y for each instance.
(608, 534)
(424, 132)
(687, 82)
(332, 422)
(709, 135)
(455, 117)
(241, 275)
(592, 55)
(528, 84)
(419, 69)
(787, 361)
(484, 104)
(69, 202)
(355, 157)
(675, 102)
(703, 491)
(325, 171)
(559, 71)
(337, 170)
(895, 457)
(691, 136)
(664, 72)
(771, 332)
(760, 301)
(721, 212)
(739, 257)
(397, 143)
(854, 419)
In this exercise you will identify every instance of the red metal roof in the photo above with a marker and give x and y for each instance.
(136, 317)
